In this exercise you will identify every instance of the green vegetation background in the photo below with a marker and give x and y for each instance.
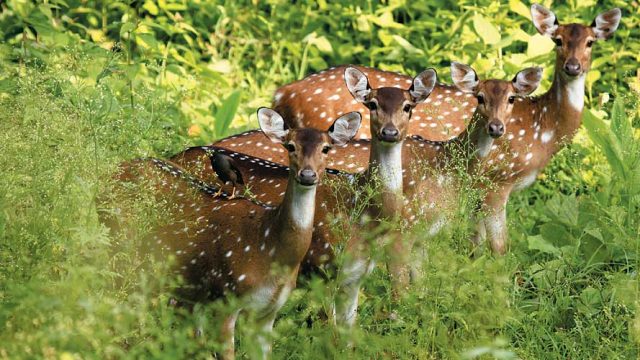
(85, 84)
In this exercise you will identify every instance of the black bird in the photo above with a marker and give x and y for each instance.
(225, 167)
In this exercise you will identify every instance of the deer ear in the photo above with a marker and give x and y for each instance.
(272, 125)
(423, 85)
(526, 81)
(606, 23)
(464, 77)
(345, 128)
(357, 83)
(544, 20)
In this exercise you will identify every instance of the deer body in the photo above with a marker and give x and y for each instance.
(241, 247)
(319, 98)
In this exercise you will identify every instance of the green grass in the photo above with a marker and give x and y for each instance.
(71, 111)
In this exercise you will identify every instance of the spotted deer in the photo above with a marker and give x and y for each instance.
(540, 126)
(537, 128)
(319, 98)
(240, 247)
(389, 118)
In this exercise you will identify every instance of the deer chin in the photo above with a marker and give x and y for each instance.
(574, 90)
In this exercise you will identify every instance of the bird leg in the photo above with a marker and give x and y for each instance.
(219, 192)
(233, 193)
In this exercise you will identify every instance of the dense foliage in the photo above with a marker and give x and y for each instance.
(85, 84)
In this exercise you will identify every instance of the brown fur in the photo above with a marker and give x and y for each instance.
(442, 116)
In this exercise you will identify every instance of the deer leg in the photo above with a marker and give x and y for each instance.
(345, 308)
(227, 336)
(495, 221)
(265, 325)
(398, 266)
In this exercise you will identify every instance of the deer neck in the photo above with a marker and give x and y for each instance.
(474, 141)
(565, 101)
(385, 161)
(291, 227)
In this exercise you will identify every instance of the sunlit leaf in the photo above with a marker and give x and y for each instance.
(539, 45)
(486, 30)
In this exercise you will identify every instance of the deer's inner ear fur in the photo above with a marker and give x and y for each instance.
(606, 23)
(357, 83)
(345, 128)
(526, 81)
(544, 20)
(464, 77)
(272, 124)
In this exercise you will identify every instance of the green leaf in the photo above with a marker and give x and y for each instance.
(556, 234)
(386, 21)
(537, 242)
(620, 125)
(226, 113)
(519, 8)
(602, 136)
(486, 30)
(126, 28)
(539, 45)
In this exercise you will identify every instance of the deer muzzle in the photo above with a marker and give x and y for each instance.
(495, 128)
(572, 67)
(307, 177)
(389, 134)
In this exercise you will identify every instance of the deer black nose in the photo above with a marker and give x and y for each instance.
(496, 129)
(389, 133)
(572, 67)
(308, 177)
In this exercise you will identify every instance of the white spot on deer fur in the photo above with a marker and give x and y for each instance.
(277, 97)
(241, 277)
(334, 97)
(521, 132)
(318, 91)
(228, 254)
(529, 156)
(323, 114)
(293, 94)
(547, 136)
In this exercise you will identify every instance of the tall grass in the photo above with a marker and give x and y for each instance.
(71, 112)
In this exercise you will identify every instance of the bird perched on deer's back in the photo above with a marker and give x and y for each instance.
(225, 167)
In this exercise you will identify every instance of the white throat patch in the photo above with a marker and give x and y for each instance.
(303, 206)
(574, 92)
(390, 165)
(484, 145)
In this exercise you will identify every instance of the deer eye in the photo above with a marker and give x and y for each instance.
(290, 147)
(406, 108)
(325, 149)
(480, 99)
(512, 99)
(558, 42)
(372, 105)
(590, 43)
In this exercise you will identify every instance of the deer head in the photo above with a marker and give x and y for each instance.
(495, 97)
(307, 147)
(390, 107)
(574, 41)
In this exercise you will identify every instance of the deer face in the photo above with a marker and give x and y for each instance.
(390, 107)
(574, 41)
(307, 147)
(495, 97)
